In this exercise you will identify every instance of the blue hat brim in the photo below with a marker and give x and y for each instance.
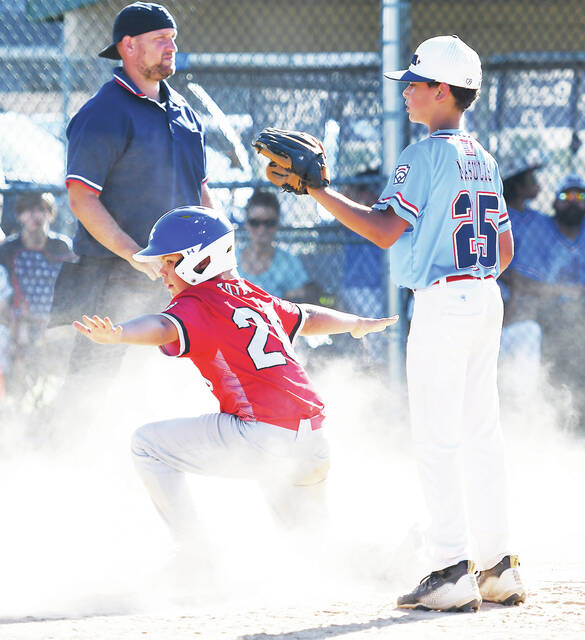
(407, 76)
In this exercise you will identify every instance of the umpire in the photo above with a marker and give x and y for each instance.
(136, 150)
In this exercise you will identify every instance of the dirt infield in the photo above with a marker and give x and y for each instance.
(85, 556)
(555, 609)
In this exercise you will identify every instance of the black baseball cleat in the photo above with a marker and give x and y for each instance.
(502, 583)
(451, 589)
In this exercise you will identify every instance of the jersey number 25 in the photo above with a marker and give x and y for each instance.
(475, 239)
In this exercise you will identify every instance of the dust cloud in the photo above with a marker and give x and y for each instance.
(79, 535)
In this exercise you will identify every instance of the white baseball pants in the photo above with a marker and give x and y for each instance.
(452, 358)
(291, 466)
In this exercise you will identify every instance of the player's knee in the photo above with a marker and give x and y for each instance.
(139, 443)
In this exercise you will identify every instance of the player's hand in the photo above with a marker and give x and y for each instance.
(100, 330)
(151, 269)
(372, 325)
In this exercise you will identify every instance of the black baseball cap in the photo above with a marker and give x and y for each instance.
(137, 18)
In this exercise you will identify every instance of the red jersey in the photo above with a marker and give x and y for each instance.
(240, 338)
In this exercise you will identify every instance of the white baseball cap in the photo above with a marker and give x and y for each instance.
(443, 59)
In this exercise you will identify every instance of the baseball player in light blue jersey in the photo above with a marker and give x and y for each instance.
(444, 216)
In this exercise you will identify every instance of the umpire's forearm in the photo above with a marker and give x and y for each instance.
(96, 219)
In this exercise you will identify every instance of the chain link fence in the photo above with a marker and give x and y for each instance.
(316, 65)
(323, 77)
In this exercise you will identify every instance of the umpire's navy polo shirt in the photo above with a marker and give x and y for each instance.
(143, 157)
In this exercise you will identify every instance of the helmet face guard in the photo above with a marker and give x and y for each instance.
(197, 233)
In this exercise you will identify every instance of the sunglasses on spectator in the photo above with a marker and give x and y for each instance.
(572, 195)
(270, 223)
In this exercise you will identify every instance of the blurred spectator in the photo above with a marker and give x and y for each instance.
(2, 186)
(548, 285)
(5, 295)
(521, 336)
(32, 259)
(362, 288)
(363, 272)
(520, 187)
(277, 271)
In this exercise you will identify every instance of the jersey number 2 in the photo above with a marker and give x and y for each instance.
(475, 240)
(256, 347)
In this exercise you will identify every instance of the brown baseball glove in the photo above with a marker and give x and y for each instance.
(297, 159)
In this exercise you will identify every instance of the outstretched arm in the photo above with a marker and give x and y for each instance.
(322, 320)
(153, 329)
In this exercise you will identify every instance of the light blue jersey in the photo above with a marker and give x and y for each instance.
(449, 189)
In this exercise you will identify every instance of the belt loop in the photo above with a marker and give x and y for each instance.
(442, 282)
(304, 426)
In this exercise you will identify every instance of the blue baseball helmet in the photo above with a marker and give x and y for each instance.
(197, 233)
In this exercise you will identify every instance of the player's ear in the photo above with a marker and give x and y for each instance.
(126, 46)
(443, 91)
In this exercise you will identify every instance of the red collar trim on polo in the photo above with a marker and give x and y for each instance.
(121, 79)
(128, 85)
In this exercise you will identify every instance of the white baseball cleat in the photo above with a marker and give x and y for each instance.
(451, 589)
(502, 583)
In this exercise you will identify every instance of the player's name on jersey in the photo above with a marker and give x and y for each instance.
(234, 289)
(474, 170)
